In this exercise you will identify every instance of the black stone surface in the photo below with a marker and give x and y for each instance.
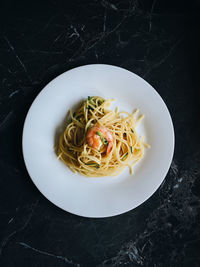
(158, 40)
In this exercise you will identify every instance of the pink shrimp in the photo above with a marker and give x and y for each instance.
(98, 135)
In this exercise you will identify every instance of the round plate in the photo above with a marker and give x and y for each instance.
(104, 196)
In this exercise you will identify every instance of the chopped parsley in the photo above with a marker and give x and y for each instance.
(104, 141)
(93, 165)
(90, 108)
(124, 157)
(89, 127)
(101, 101)
(98, 133)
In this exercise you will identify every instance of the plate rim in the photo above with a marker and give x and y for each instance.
(170, 158)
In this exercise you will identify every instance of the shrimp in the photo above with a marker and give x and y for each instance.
(98, 136)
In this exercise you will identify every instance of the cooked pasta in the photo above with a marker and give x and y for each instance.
(99, 141)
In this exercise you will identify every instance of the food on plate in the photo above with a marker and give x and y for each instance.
(99, 141)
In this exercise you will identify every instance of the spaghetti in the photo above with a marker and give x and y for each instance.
(99, 141)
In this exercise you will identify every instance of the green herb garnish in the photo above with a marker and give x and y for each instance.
(89, 98)
(101, 102)
(89, 127)
(131, 150)
(93, 165)
(132, 131)
(90, 108)
(98, 133)
(125, 156)
(105, 142)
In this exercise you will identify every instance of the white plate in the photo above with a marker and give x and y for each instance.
(105, 196)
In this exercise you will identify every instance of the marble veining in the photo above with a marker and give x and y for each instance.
(17, 57)
(21, 228)
(49, 254)
(158, 40)
(172, 219)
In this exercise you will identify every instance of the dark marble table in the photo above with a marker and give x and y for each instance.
(158, 40)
